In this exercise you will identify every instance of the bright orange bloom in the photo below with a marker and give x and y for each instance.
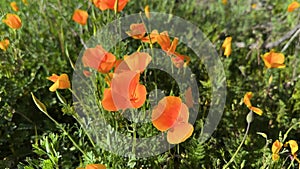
(165, 43)
(80, 16)
(227, 46)
(110, 4)
(60, 82)
(99, 59)
(172, 115)
(247, 102)
(273, 60)
(93, 166)
(136, 62)
(125, 92)
(292, 6)
(13, 21)
(137, 31)
(276, 147)
(14, 6)
(147, 11)
(4, 44)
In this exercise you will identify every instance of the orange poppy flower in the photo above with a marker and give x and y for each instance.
(125, 92)
(13, 21)
(4, 44)
(227, 46)
(247, 102)
(147, 11)
(110, 4)
(224, 2)
(80, 16)
(151, 38)
(14, 6)
(137, 31)
(276, 147)
(136, 62)
(99, 59)
(292, 6)
(60, 82)
(93, 166)
(273, 60)
(165, 43)
(172, 115)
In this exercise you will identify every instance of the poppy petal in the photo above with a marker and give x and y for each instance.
(180, 133)
(257, 110)
(107, 101)
(166, 113)
(95, 166)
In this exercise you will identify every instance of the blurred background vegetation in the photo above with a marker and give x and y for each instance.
(49, 40)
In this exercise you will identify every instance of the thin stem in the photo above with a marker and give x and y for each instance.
(238, 149)
(62, 128)
(287, 132)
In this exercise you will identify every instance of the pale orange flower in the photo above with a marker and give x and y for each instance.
(151, 38)
(99, 59)
(247, 102)
(14, 6)
(80, 16)
(13, 21)
(172, 115)
(137, 62)
(60, 82)
(137, 31)
(4, 44)
(293, 6)
(227, 46)
(273, 60)
(110, 4)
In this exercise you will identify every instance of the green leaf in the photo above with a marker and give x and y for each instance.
(39, 104)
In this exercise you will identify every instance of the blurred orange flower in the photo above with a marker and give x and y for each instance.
(99, 59)
(125, 92)
(93, 166)
(110, 4)
(60, 82)
(172, 115)
(137, 31)
(4, 44)
(273, 60)
(80, 16)
(247, 102)
(147, 11)
(276, 147)
(13, 21)
(227, 46)
(25, 2)
(292, 6)
(14, 6)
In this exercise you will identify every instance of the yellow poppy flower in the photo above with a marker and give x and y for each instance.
(247, 102)
(227, 46)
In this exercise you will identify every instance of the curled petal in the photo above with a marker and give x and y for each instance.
(276, 147)
(256, 110)
(247, 98)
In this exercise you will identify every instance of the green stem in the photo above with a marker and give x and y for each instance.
(287, 132)
(63, 129)
(238, 149)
